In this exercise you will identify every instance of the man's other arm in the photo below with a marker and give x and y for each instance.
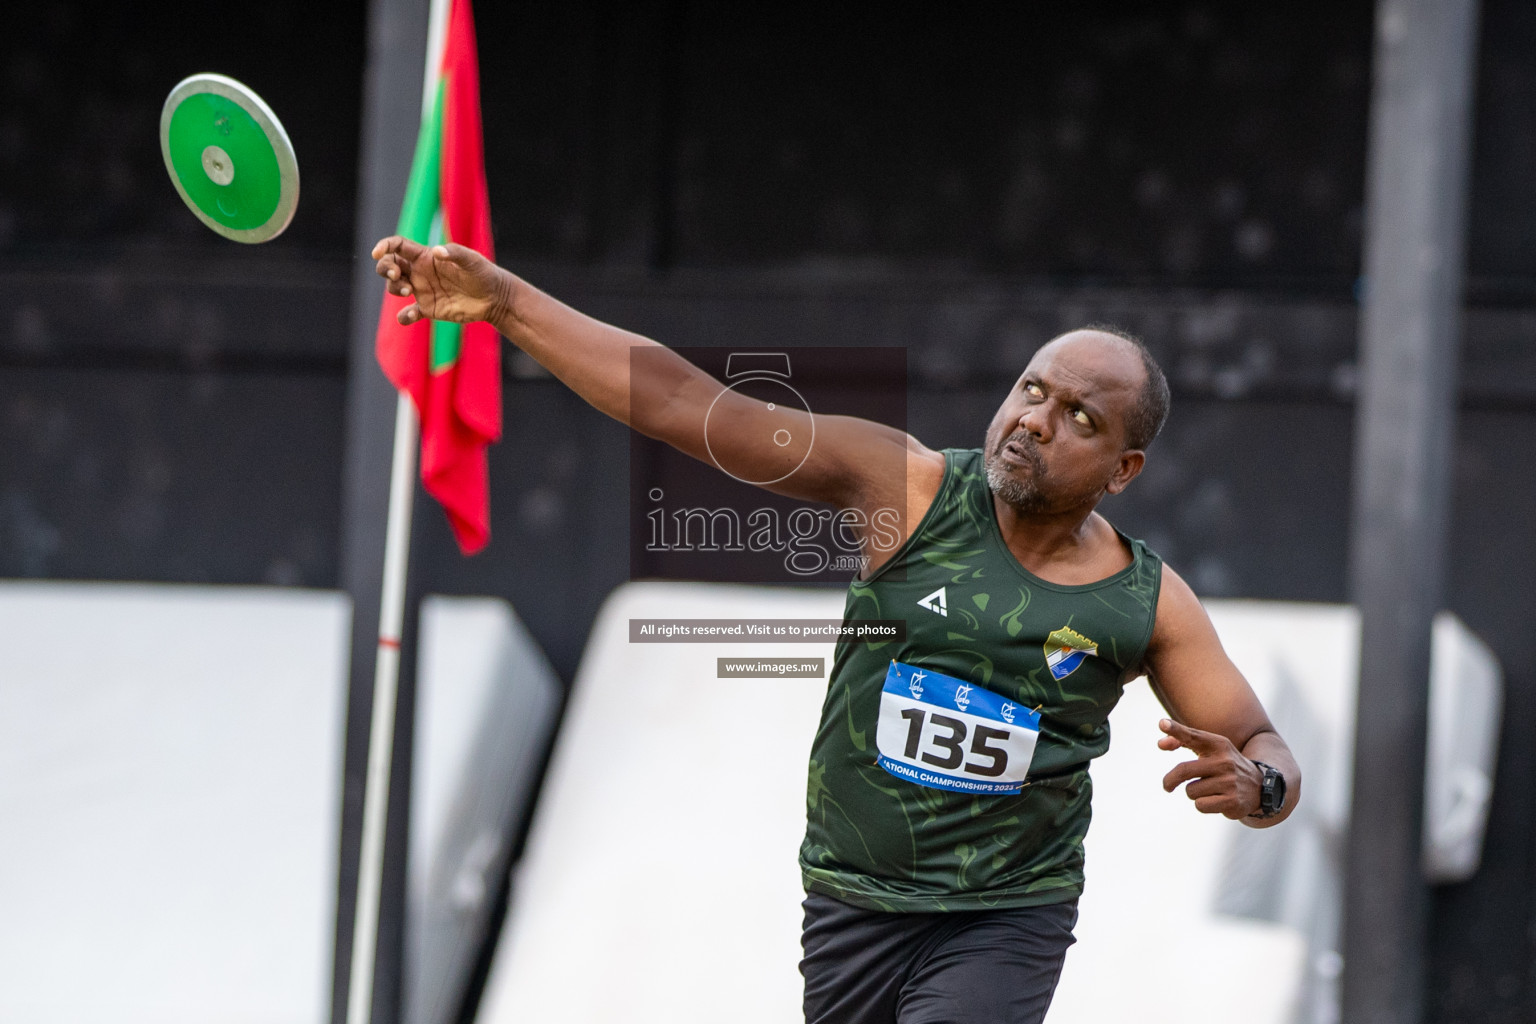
(1214, 713)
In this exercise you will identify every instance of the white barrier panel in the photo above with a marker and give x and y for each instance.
(169, 775)
(1466, 705)
(660, 883)
(486, 702)
(170, 763)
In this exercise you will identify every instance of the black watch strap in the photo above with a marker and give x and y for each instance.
(1271, 792)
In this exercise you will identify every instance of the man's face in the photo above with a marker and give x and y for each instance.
(1057, 443)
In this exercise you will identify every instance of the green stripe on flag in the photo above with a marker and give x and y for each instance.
(446, 335)
(445, 345)
(421, 218)
(421, 191)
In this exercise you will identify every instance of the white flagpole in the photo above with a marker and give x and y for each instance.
(381, 733)
(386, 678)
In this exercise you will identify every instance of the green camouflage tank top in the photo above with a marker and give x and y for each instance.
(877, 840)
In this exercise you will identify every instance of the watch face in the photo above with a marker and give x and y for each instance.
(1272, 790)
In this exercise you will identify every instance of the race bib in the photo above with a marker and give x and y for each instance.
(939, 731)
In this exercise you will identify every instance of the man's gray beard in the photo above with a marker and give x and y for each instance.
(1022, 496)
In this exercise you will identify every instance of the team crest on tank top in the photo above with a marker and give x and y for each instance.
(1065, 651)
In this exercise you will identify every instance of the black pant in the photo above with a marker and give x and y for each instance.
(967, 967)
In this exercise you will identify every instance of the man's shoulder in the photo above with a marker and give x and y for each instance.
(1179, 608)
(962, 465)
(1135, 549)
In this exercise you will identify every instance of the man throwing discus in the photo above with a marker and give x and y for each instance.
(948, 792)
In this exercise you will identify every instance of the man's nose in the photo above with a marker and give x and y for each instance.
(1036, 421)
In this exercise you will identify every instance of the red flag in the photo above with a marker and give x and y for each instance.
(451, 371)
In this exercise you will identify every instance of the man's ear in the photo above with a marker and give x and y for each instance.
(1131, 461)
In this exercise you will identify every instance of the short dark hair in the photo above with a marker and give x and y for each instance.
(1151, 410)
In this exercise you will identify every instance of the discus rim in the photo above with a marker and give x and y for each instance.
(271, 127)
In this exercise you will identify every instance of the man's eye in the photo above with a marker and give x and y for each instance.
(1033, 390)
(1082, 417)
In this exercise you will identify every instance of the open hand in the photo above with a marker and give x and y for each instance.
(448, 282)
(1221, 780)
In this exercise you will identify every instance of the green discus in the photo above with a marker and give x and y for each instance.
(229, 158)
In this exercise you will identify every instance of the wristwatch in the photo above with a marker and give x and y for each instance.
(1271, 792)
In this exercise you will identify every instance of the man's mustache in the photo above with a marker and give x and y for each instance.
(1027, 445)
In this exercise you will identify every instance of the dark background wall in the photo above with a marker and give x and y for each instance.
(963, 186)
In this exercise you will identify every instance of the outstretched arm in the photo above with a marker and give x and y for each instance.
(1214, 713)
(854, 463)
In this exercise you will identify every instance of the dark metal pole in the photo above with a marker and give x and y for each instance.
(397, 47)
(1421, 108)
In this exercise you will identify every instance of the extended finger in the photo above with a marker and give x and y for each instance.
(1200, 788)
(408, 249)
(1198, 740)
(409, 315)
(391, 267)
(396, 280)
(460, 254)
(1185, 770)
